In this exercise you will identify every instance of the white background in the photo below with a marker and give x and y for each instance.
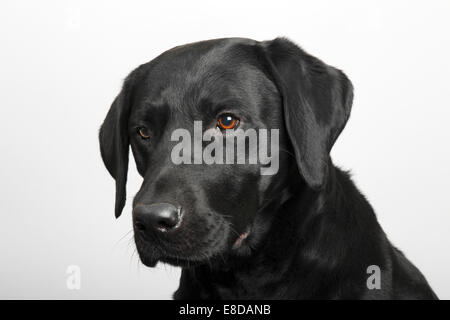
(62, 63)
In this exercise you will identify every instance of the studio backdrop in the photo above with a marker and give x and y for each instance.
(64, 62)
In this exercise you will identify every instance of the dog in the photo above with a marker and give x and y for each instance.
(305, 232)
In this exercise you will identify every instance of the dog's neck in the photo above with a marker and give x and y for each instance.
(294, 237)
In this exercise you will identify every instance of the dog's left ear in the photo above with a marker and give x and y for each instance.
(317, 99)
(114, 145)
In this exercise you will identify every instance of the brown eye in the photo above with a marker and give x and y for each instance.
(227, 121)
(143, 132)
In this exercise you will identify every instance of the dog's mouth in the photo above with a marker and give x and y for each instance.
(151, 255)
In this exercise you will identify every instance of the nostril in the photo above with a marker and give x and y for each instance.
(140, 226)
(168, 222)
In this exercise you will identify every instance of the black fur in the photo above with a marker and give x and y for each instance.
(312, 234)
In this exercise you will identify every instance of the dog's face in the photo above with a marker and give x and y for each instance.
(212, 204)
(186, 214)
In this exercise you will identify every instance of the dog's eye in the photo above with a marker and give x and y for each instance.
(227, 121)
(143, 132)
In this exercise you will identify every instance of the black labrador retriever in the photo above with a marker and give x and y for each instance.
(303, 232)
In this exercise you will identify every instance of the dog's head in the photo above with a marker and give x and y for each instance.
(188, 209)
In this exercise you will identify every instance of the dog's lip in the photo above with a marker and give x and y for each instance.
(150, 262)
(151, 259)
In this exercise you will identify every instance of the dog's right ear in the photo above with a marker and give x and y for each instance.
(114, 145)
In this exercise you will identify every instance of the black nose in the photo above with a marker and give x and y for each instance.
(158, 216)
